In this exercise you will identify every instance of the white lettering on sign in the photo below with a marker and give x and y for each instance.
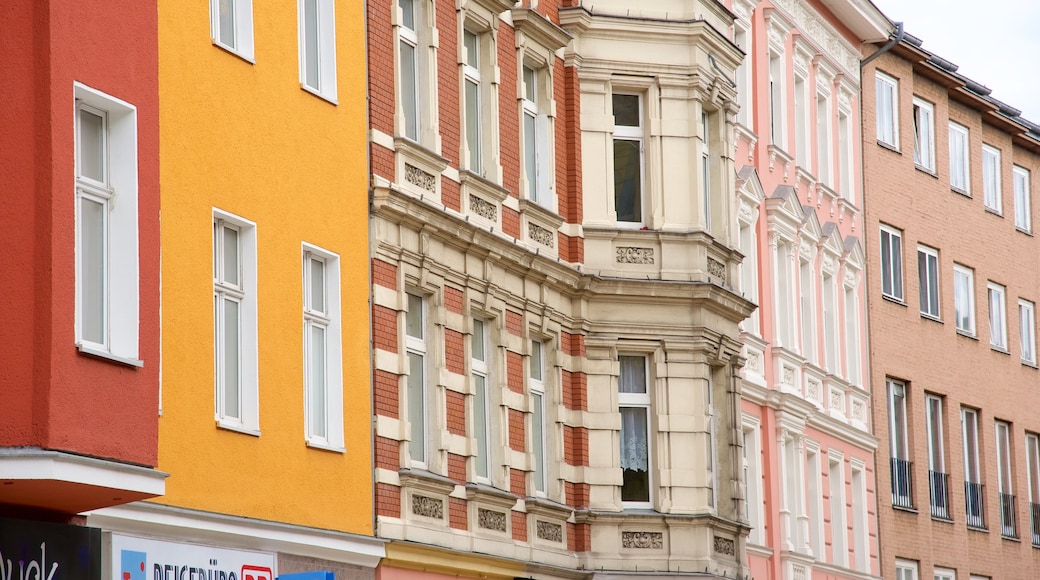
(34, 570)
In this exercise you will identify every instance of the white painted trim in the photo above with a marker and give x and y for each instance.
(21, 463)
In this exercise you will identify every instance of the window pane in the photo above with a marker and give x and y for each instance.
(407, 13)
(478, 340)
(538, 441)
(408, 86)
(91, 145)
(634, 455)
(480, 423)
(473, 124)
(317, 385)
(226, 20)
(230, 256)
(317, 285)
(414, 317)
(232, 359)
(310, 41)
(92, 270)
(626, 110)
(530, 155)
(633, 374)
(530, 89)
(536, 360)
(628, 194)
(472, 49)
(898, 411)
(416, 407)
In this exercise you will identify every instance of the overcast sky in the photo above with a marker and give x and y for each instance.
(995, 42)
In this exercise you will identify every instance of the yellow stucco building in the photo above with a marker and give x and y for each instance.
(265, 388)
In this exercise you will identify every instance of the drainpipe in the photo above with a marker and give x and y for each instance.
(900, 33)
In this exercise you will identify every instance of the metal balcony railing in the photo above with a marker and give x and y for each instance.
(973, 505)
(939, 491)
(1034, 512)
(1008, 516)
(902, 485)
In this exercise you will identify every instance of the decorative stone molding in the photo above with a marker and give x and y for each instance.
(541, 235)
(836, 402)
(483, 208)
(420, 178)
(788, 376)
(427, 507)
(814, 26)
(725, 546)
(549, 531)
(754, 362)
(813, 391)
(491, 520)
(629, 255)
(716, 268)
(642, 540)
(858, 410)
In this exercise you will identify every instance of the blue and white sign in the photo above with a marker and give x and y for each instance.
(136, 558)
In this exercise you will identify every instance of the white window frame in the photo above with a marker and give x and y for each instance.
(928, 282)
(838, 509)
(964, 299)
(1033, 468)
(417, 346)
(324, 84)
(1027, 331)
(814, 485)
(640, 401)
(328, 318)
(743, 38)
(892, 262)
(846, 165)
(906, 570)
(481, 376)
(935, 442)
(539, 431)
(409, 122)
(1005, 475)
(118, 268)
(244, 293)
(924, 134)
(472, 125)
(829, 285)
(886, 91)
(1023, 199)
(537, 148)
(960, 158)
(240, 16)
(635, 134)
(991, 174)
(777, 99)
(802, 130)
(944, 574)
(706, 137)
(970, 440)
(997, 298)
(860, 536)
(752, 464)
(895, 426)
(824, 145)
(807, 305)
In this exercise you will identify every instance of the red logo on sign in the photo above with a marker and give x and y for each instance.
(256, 573)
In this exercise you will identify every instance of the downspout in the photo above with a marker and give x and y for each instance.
(900, 33)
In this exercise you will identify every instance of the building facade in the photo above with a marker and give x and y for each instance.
(808, 447)
(555, 350)
(953, 339)
(264, 407)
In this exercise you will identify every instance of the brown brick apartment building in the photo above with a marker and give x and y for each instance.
(954, 268)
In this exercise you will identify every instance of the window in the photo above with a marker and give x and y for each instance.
(924, 134)
(1008, 515)
(938, 480)
(481, 411)
(886, 93)
(906, 570)
(322, 346)
(892, 263)
(928, 277)
(801, 121)
(861, 541)
(960, 158)
(823, 138)
(944, 574)
(777, 111)
(742, 38)
(807, 295)
(537, 144)
(785, 310)
(106, 227)
(852, 353)
(706, 192)
(409, 67)
(973, 494)
(753, 483)
(845, 161)
(235, 322)
(1033, 466)
(628, 158)
(634, 405)
(839, 529)
(997, 316)
(815, 489)
(231, 26)
(899, 445)
(830, 323)
(991, 179)
(538, 423)
(964, 298)
(318, 48)
(472, 97)
(749, 270)
(1023, 213)
(415, 344)
(1027, 330)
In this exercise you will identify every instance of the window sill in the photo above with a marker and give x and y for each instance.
(926, 170)
(1000, 349)
(318, 94)
(325, 446)
(994, 212)
(905, 509)
(233, 52)
(1025, 232)
(975, 529)
(1011, 539)
(932, 318)
(967, 334)
(942, 520)
(890, 147)
(960, 191)
(237, 428)
(104, 354)
(1030, 364)
(894, 300)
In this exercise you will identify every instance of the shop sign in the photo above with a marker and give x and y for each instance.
(136, 558)
(31, 550)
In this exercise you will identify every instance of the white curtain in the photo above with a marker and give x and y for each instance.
(634, 449)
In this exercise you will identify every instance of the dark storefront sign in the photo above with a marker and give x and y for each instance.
(44, 551)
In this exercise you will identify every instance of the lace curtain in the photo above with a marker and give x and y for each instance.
(634, 449)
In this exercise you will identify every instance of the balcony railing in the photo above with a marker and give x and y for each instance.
(1034, 512)
(902, 485)
(973, 505)
(939, 491)
(1008, 516)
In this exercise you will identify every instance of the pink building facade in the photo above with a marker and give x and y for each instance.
(807, 433)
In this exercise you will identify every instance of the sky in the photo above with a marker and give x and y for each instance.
(995, 42)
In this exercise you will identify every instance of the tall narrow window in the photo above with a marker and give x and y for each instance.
(830, 322)
(1008, 513)
(839, 529)
(899, 445)
(823, 138)
(753, 483)
(852, 354)
(408, 73)
(964, 298)
(318, 47)
(706, 168)
(323, 365)
(785, 311)
(536, 137)
(960, 158)
(892, 263)
(472, 97)
(1033, 466)
(1027, 331)
(801, 121)
(95, 195)
(742, 38)
(861, 541)
(938, 480)
(886, 94)
(538, 423)
(973, 494)
(634, 406)
(415, 343)
(928, 280)
(231, 26)
(991, 179)
(481, 412)
(997, 316)
(924, 134)
(1023, 203)
(845, 162)
(815, 490)
(807, 293)
(628, 158)
(749, 270)
(777, 113)
(234, 322)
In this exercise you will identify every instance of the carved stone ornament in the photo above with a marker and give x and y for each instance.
(483, 208)
(635, 255)
(799, 572)
(835, 400)
(416, 176)
(809, 22)
(858, 410)
(814, 391)
(754, 361)
(491, 520)
(788, 376)
(541, 235)
(716, 268)
(549, 531)
(642, 540)
(725, 546)
(428, 507)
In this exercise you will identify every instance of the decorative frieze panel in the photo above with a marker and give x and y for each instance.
(642, 540)
(428, 507)
(549, 531)
(811, 24)
(725, 546)
(541, 235)
(420, 178)
(629, 255)
(491, 520)
(483, 208)
(716, 268)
